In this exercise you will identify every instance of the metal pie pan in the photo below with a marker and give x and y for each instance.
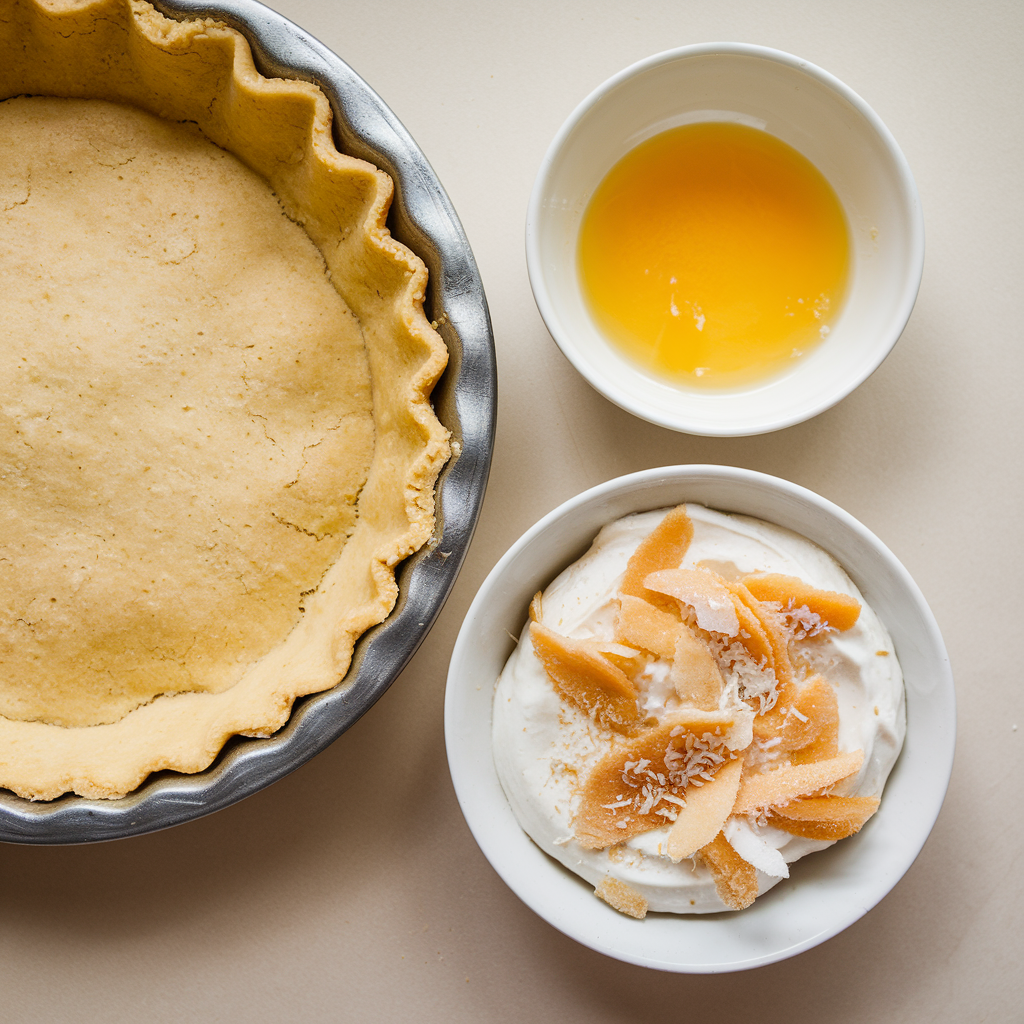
(465, 399)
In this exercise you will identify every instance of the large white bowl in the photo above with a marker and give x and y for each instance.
(803, 106)
(828, 890)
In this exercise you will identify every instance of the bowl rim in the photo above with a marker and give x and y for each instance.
(465, 400)
(557, 895)
(612, 389)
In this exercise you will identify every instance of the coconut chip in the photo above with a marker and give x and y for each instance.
(753, 636)
(663, 548)
(640, 784)
(705, 813)
(703, 591)
(824, 817)
(768, 634)
(780, 785)
(805, 723)
(762, 856)
(839, 611)
(627, 659)
(641, 624)
(695, 673)
(624, 898)
(735, 879)
(739, 628)
(585, 677)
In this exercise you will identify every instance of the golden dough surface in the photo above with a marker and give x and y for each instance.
(185, 415)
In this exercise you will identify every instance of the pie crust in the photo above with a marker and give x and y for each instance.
(184, 552)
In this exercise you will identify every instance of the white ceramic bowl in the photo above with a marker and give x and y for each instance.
(815, 114)
(828, 890)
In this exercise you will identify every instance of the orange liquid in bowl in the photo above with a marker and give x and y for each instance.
(714, 255)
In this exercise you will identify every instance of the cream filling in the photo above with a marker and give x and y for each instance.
(543, 748)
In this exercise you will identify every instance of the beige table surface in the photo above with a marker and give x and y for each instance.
(352, 890)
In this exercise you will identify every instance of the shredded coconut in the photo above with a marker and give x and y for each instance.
(754, 679)
(798, 620)
(690, 763)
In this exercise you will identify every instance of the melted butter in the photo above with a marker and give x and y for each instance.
(714, 255)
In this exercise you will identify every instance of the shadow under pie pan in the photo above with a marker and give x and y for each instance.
(464, 400)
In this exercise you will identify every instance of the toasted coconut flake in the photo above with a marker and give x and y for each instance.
(755, 681)
(753, 635)
(705, 812)
(641, 624)
(627, 659)
(617, 650)
(695, 673)
(706, 593)
(663, 548)
(804, 723)
(754, 849)
(639, 784)
(584, 677)
(824, 817)
(537, 607)
(768, 633)
(818, 703)
(840, 611)
(769, 726)
(735, 879)
(624, 898)
(779, 786)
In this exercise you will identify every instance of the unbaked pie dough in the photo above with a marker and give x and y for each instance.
(215, 433)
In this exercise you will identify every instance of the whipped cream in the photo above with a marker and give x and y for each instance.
(544, 748)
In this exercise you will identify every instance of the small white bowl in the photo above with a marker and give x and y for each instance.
(829, 890)
(803, 106)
